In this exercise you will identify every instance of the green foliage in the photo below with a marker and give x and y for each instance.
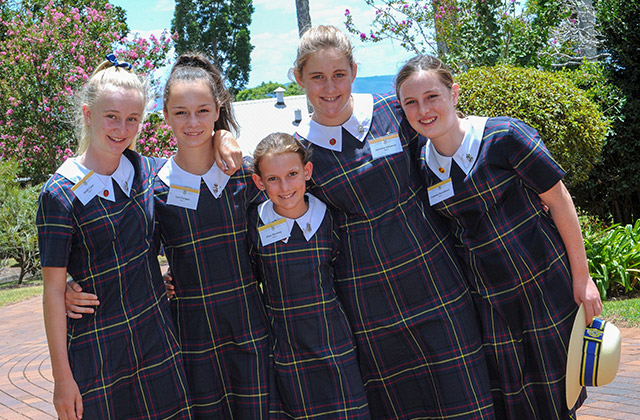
(265, 90)
(613, 186)
(47, 51)
(470, 33)
(622, 312)
(572, 127)
(219, 29)
(614, 257)
(156, 137)
(18, 236)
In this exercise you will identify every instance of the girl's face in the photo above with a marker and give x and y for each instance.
(327, 78)
(429, 104)
(283, 177)
(192, 111)
(113, 120)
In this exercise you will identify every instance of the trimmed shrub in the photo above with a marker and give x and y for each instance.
(571, 126)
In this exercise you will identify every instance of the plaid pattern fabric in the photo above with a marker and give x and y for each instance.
(220, 317)
(316, 368)
(416, 331)
(518, 268)
(125, 357)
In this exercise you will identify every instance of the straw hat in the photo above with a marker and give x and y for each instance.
(593, 356)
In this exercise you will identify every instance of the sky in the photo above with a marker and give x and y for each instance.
(274, 34)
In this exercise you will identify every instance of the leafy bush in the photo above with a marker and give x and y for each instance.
(614, 256)
(572, 127)
(265, 90)
(18, 236)
(156, 137)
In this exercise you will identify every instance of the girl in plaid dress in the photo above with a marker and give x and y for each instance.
(488, 179)
(95, 222)
(404, 294)
(294, 247)
(202, 221)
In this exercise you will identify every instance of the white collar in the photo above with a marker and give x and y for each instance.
(358, 125)
(72, 170)
(308, 222)
(172, 174)
(466, 154)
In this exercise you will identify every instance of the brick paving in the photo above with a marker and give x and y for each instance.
(26, 384)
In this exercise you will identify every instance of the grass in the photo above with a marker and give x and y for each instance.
(622, 312)
(13, 293)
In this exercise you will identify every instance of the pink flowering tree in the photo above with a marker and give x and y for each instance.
(47, 51)
(469, 33)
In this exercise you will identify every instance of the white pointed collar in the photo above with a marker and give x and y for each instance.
(308, 222)
(358, 125)
(466, 155)
(172, 174)
(74, 171)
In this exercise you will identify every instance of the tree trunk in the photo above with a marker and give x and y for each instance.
(304, 19)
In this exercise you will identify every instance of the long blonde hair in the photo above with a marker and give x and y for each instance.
(105, 74)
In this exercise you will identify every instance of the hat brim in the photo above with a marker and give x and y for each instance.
(574, 358)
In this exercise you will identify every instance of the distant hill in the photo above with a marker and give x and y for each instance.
(373, 84)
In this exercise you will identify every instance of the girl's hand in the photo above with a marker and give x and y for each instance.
(226, 151)
(76, 302)
(168, 285)
(585, 291)
(67, 399)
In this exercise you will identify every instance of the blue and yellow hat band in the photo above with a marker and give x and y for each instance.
(593, 335)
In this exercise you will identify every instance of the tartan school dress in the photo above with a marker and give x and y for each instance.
(218, 310)
(316, 367)
(517, 261)
(418, 339)
(125, 357)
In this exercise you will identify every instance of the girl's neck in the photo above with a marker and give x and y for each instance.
(104, 164)
(293, 214)
(196, 161)
(449, 143)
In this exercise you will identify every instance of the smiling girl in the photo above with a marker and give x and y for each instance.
(95, 222)
(488, 178)
(202, 221)
(294, 248)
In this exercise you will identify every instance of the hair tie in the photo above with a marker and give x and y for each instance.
(111, 57)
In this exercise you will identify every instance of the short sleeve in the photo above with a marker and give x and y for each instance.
(531, 159)
(54, 223)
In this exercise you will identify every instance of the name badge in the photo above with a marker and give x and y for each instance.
(183, 197)
(385, 146)
(440, 192)
(88, 187)
(273, 232)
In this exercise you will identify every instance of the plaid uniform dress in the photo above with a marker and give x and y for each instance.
(220, 317)
(518, 266)
(316, 368)
(416, 331)
(124, 357)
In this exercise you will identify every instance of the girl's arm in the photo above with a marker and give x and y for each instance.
(66, 395)
(226, 151)
(565, 217)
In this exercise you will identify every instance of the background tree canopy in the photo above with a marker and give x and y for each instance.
(219, 29)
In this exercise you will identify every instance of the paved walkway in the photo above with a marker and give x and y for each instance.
(26, 385)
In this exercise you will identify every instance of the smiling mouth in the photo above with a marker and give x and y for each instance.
(287, 196)
(427, 120)
(116, 140)
(331, 99)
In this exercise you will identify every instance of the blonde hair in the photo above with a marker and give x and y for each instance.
(278, 143)
(322, 37)
(106, 74)
(192, 67)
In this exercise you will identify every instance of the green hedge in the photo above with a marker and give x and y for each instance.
(571, 125)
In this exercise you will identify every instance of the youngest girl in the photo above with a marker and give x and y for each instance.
(293, 247)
